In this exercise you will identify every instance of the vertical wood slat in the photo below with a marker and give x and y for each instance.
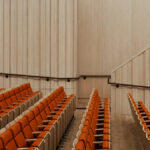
(48, 43)
(30, 39)
(7, 40)
(54, 41)
(19, 49)
(62, 41)
(36, 41)
(25, 39)
(1, 41)
(69, 44)
(75, 46)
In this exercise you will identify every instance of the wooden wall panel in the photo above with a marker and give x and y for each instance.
(135, 71)
(147, 78)
(20, 40)
(123, 29)
(25, 38)
(1, 41)
(48, 44)
(37, 38)
(62, 40)
(14, 40)
(69, 43)
(7, 37)
(54, 41)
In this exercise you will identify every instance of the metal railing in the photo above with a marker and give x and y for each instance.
(48, 78)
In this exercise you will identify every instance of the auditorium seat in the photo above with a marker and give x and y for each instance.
(94, 131)
(15, 101)
(43, 125)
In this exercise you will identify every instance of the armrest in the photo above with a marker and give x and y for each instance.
(147, 121)
(9, 106)
(46, 122)
(42, 126)
(97, 142)
(25, 148)
(50, 117)
(101, 129)
(30, 141)
(100, 124)
(62, 102)
(56, 109)
(36, 133)
(98, 135)
(99, 119)
(101, 111)
(15, 103)
(19, 100)
(53, 113)
(144, 117)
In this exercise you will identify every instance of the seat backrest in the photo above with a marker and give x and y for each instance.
(1, 97)
(18, 135)
(37, 115)
(7, 141)
(42, 111)
(14, 98)
(3, 105)
(1, 144)
(32, 121)
(6, 95)
(27, 131)
(29, 88)
(11, 93)
(46, 108)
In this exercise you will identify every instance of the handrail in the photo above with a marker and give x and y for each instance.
(130, 59)
(127, 85)
(47, 78)
(68, 79)
(94, 76)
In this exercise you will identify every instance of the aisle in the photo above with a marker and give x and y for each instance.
(67, 140)
(124, 134)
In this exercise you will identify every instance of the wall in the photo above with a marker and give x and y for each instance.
(134, 71)
(38, 37)
(109, 32)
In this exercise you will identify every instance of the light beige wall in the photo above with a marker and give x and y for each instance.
(38, 37)
(110, 32)
(134, 71)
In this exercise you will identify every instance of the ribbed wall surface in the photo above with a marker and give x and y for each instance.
(135, 71)
(38, 37)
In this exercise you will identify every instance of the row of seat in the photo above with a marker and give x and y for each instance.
(142, 117)
(15, 101)
(42, 126)
(94, 131)
(2, 89)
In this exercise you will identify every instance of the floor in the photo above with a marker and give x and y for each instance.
(67, 142)
(124, 133)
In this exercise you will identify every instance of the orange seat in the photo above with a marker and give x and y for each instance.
(7, 141)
